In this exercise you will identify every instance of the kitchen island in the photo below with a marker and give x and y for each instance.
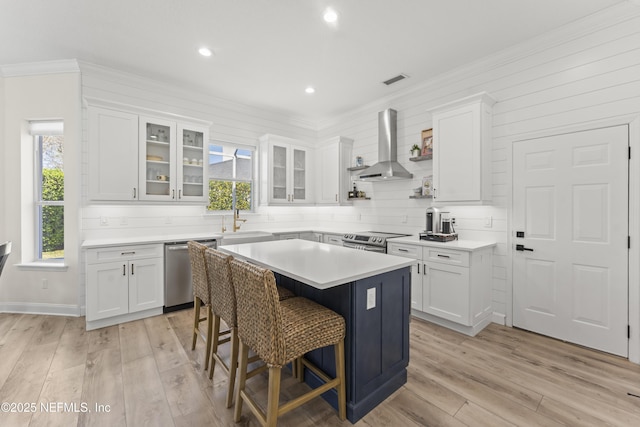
(370, 290)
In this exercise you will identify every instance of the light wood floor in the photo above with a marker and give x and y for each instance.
(147, 374)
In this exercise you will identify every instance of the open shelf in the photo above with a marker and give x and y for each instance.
(421, 197)
(357, 168)
(421, 158)
(359, 198)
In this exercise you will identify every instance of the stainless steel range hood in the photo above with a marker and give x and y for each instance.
(387, 167)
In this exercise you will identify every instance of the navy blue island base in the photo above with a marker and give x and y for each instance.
(377, 338)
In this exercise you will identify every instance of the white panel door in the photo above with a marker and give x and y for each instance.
(107, 290)
(570, 199)
(446, 292)
(113, 155)
(146, 284)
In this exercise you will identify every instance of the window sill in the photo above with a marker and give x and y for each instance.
(42, 266)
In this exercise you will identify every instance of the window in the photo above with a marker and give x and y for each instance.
(230, 177)
(49, 190)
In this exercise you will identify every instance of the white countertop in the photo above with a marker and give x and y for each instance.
(464, 245)
(317, 264)
(139, 240)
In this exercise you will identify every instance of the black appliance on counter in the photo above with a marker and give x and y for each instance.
(438, 227)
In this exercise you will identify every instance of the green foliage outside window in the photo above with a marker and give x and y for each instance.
(52, 216)
(221, 195)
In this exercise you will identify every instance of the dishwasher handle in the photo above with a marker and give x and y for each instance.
(184, 247)
(177, 247)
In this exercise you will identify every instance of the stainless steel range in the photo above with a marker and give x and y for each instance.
(374, 241)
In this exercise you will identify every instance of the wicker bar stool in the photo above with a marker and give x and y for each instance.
(281, 332)
(223, 306)
(201, 296)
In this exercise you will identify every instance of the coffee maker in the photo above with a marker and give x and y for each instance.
(433, 221)
(439, 226)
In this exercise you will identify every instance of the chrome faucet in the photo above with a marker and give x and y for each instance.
(223, 227)
(236, 218)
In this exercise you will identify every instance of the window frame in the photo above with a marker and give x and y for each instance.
(253, 181)
(38, 131)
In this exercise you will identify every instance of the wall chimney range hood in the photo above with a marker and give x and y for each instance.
(387, 167)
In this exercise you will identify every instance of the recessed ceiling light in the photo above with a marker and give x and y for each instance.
(205, 51)
(330, 16)
(310, 89)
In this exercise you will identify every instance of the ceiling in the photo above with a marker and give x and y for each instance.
(266, 52)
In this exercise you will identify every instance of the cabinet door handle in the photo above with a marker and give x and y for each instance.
(336, 197)
(424, 269)
(134, 192)
(132, 272)
(128, 253)
(444, 256)
(402, 250)
(124, 269)
(418, 268)
(180, 194)
(173, 194)
(434, 193)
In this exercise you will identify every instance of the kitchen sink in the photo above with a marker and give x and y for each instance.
(245, 237)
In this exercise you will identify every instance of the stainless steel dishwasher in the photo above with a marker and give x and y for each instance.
(178, 292)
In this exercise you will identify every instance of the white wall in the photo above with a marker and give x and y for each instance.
(577, 75)
(33, 97)
(3, 161)
(231, 122)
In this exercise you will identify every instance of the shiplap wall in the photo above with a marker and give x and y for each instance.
(581, 74)
(231, 122)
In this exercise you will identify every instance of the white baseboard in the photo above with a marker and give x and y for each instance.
(499, 318)
(40, 308)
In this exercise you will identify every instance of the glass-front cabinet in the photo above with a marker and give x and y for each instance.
(157, 145)
(286, 168)
(172, 161)
(192, 176)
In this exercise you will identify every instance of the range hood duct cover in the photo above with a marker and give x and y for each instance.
(387, 167)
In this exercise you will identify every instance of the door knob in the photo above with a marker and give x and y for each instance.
(522, 248)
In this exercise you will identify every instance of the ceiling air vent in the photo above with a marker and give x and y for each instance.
(395, 79)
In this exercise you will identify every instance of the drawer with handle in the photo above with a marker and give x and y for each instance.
(107, 254)
(407, 251)
(446, 256)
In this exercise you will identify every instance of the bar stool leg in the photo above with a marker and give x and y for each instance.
(196, 321)
(299, 369)
(233, 365)
(214, 343)
(273, 398)
(209, 334)
(342, 395)
(244, 356)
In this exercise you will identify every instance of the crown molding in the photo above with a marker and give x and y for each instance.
(191, 94)
(40, 68)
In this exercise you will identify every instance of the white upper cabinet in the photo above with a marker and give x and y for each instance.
(157, 159)
(173, 161)
(462, 150)
(285, 171)
(192, 163)
(332, 178)
(135, 157)
(113, 154)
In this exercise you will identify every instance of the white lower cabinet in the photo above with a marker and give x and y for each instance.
(123, 283)
(450, 287)
(287, 236)
(333, 239)
(311, 236)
